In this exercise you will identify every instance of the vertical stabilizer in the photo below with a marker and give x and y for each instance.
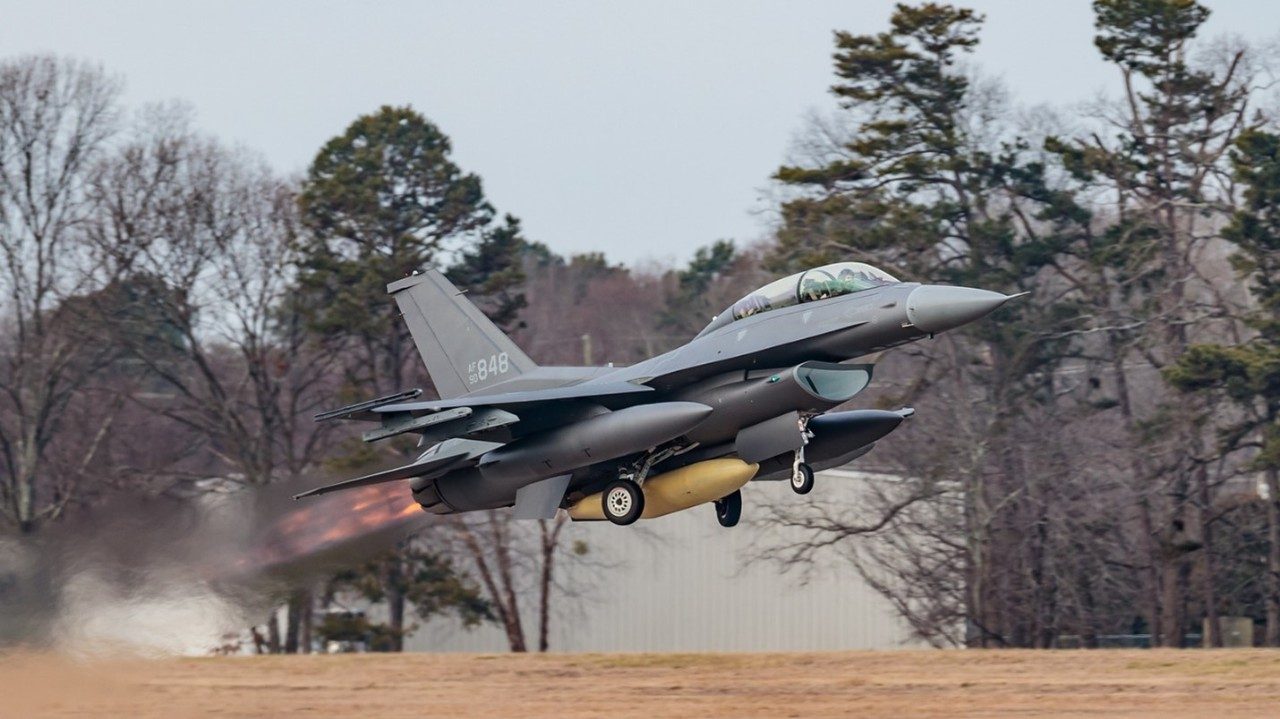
(463, 350)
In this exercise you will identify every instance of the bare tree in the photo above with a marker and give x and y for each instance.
(56, 119)
(515, 561)
(196, 246)
(1158, 168)
(198, 241)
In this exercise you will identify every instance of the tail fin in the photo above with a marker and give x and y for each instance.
(463, 350)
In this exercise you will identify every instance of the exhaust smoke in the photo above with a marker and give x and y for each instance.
(178, 576)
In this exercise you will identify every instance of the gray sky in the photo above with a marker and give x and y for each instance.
(640, 129)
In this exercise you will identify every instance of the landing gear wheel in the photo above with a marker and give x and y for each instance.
(623, 501)
(802, 479)
(729, 509)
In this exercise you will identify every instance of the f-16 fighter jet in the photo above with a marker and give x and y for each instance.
(747, 399)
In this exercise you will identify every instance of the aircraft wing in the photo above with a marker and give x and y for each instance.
(472, 415)
(443, 456)
(586, 390)
(375, 411)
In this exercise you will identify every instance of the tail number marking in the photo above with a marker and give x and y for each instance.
(482, 369)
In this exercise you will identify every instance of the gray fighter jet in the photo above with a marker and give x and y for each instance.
(746, 400)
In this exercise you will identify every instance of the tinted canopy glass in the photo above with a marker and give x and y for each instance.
(820, 283)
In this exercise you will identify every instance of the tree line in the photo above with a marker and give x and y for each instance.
(175, 311)
(1097, 459)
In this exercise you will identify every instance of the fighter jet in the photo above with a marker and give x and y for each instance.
(747, 399)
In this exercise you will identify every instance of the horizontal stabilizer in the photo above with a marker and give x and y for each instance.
(437, 459)
(389, 475)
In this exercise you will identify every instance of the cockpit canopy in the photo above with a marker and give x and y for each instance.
(819, 283)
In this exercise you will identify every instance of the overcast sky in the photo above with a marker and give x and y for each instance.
(640, 129)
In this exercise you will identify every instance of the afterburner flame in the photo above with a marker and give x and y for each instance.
(323, 524)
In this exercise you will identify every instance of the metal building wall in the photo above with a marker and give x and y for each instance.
(686, 584)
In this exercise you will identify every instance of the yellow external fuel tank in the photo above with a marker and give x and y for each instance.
(680, 488)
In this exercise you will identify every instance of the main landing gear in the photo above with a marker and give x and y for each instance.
(623, 501)
(729, 509)
(802, 478)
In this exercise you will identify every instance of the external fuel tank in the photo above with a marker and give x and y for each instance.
(679, 489)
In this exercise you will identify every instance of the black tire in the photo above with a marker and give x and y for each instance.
(802, 480)
(729, 509)
(623, 501)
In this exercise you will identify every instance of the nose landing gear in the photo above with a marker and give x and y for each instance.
(801, 473)
(801, 478)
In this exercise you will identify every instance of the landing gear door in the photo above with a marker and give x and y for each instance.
(770, 438)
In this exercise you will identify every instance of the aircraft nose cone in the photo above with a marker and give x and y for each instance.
(936, 308)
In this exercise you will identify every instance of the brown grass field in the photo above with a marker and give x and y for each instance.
(898, 684)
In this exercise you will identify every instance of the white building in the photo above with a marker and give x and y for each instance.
(687, 584)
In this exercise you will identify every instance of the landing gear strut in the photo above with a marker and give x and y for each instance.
(802, 478)
(729, 509)
(623, 499)
(801, 473)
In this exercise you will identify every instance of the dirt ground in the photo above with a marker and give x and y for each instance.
(899, 684)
